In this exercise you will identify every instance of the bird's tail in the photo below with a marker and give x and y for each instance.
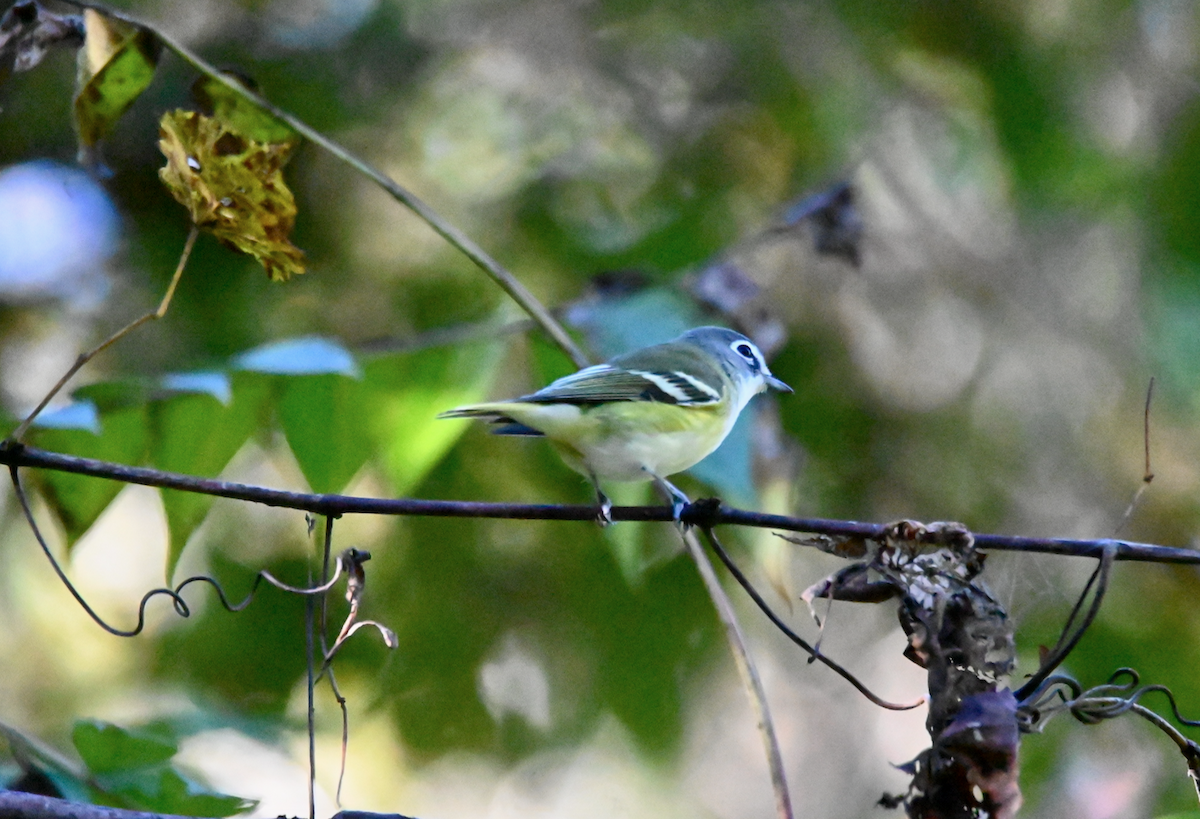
(473, 411)
(493, 414)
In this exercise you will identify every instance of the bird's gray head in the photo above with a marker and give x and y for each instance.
(739, 355)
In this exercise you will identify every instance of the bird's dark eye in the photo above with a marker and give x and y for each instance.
(747, 352)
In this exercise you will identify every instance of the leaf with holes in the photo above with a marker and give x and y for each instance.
(232, 187)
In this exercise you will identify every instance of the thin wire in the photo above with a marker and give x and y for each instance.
(698, 514)
(175, 595)
(793, 636)
(1067, 644)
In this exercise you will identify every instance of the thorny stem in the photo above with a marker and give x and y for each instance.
(84, 358)
(455, 237)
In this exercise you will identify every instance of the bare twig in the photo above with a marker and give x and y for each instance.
(84, 358)
(310, 614)
(746, 670)
(341, 701)
(1147, 474)
(793, 636)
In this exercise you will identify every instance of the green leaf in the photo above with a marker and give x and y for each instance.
(323, 419)
(177, 795)
(129, 769)
(164, 790)
(109, 396)
(116, 64)
(407, 391)
(78, 500)
(196, 433)
(241, 114)
(107, 748)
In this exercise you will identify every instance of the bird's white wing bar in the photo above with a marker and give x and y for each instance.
(699, 385)
(603, 383)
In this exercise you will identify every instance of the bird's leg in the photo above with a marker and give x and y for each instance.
(604, 510)
(674, 496)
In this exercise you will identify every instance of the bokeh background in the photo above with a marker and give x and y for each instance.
(1012, 253)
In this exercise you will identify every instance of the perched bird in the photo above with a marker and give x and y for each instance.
(643, 415)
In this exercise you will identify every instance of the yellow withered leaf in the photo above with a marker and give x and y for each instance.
(233, 187)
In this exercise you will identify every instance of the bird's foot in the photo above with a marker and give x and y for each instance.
(678, 506)
(678, 500)
(603, 510)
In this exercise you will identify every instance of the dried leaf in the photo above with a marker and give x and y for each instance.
(232, 187)
(836, 220)
(841, 546)
(28, 31)
(116, 64)
(852, 584)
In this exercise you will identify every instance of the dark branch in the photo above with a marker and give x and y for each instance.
(701, 514)
(16, 805)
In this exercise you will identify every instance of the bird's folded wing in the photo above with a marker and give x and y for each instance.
(604, 383)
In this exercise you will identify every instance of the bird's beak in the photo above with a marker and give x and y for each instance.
(775, 384)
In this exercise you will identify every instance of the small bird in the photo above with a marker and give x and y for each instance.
(644, 415)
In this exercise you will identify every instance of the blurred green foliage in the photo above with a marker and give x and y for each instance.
(1025, 174)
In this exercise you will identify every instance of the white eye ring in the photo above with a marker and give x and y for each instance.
(746, 350)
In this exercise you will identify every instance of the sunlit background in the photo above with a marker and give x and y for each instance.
(1015, 254)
